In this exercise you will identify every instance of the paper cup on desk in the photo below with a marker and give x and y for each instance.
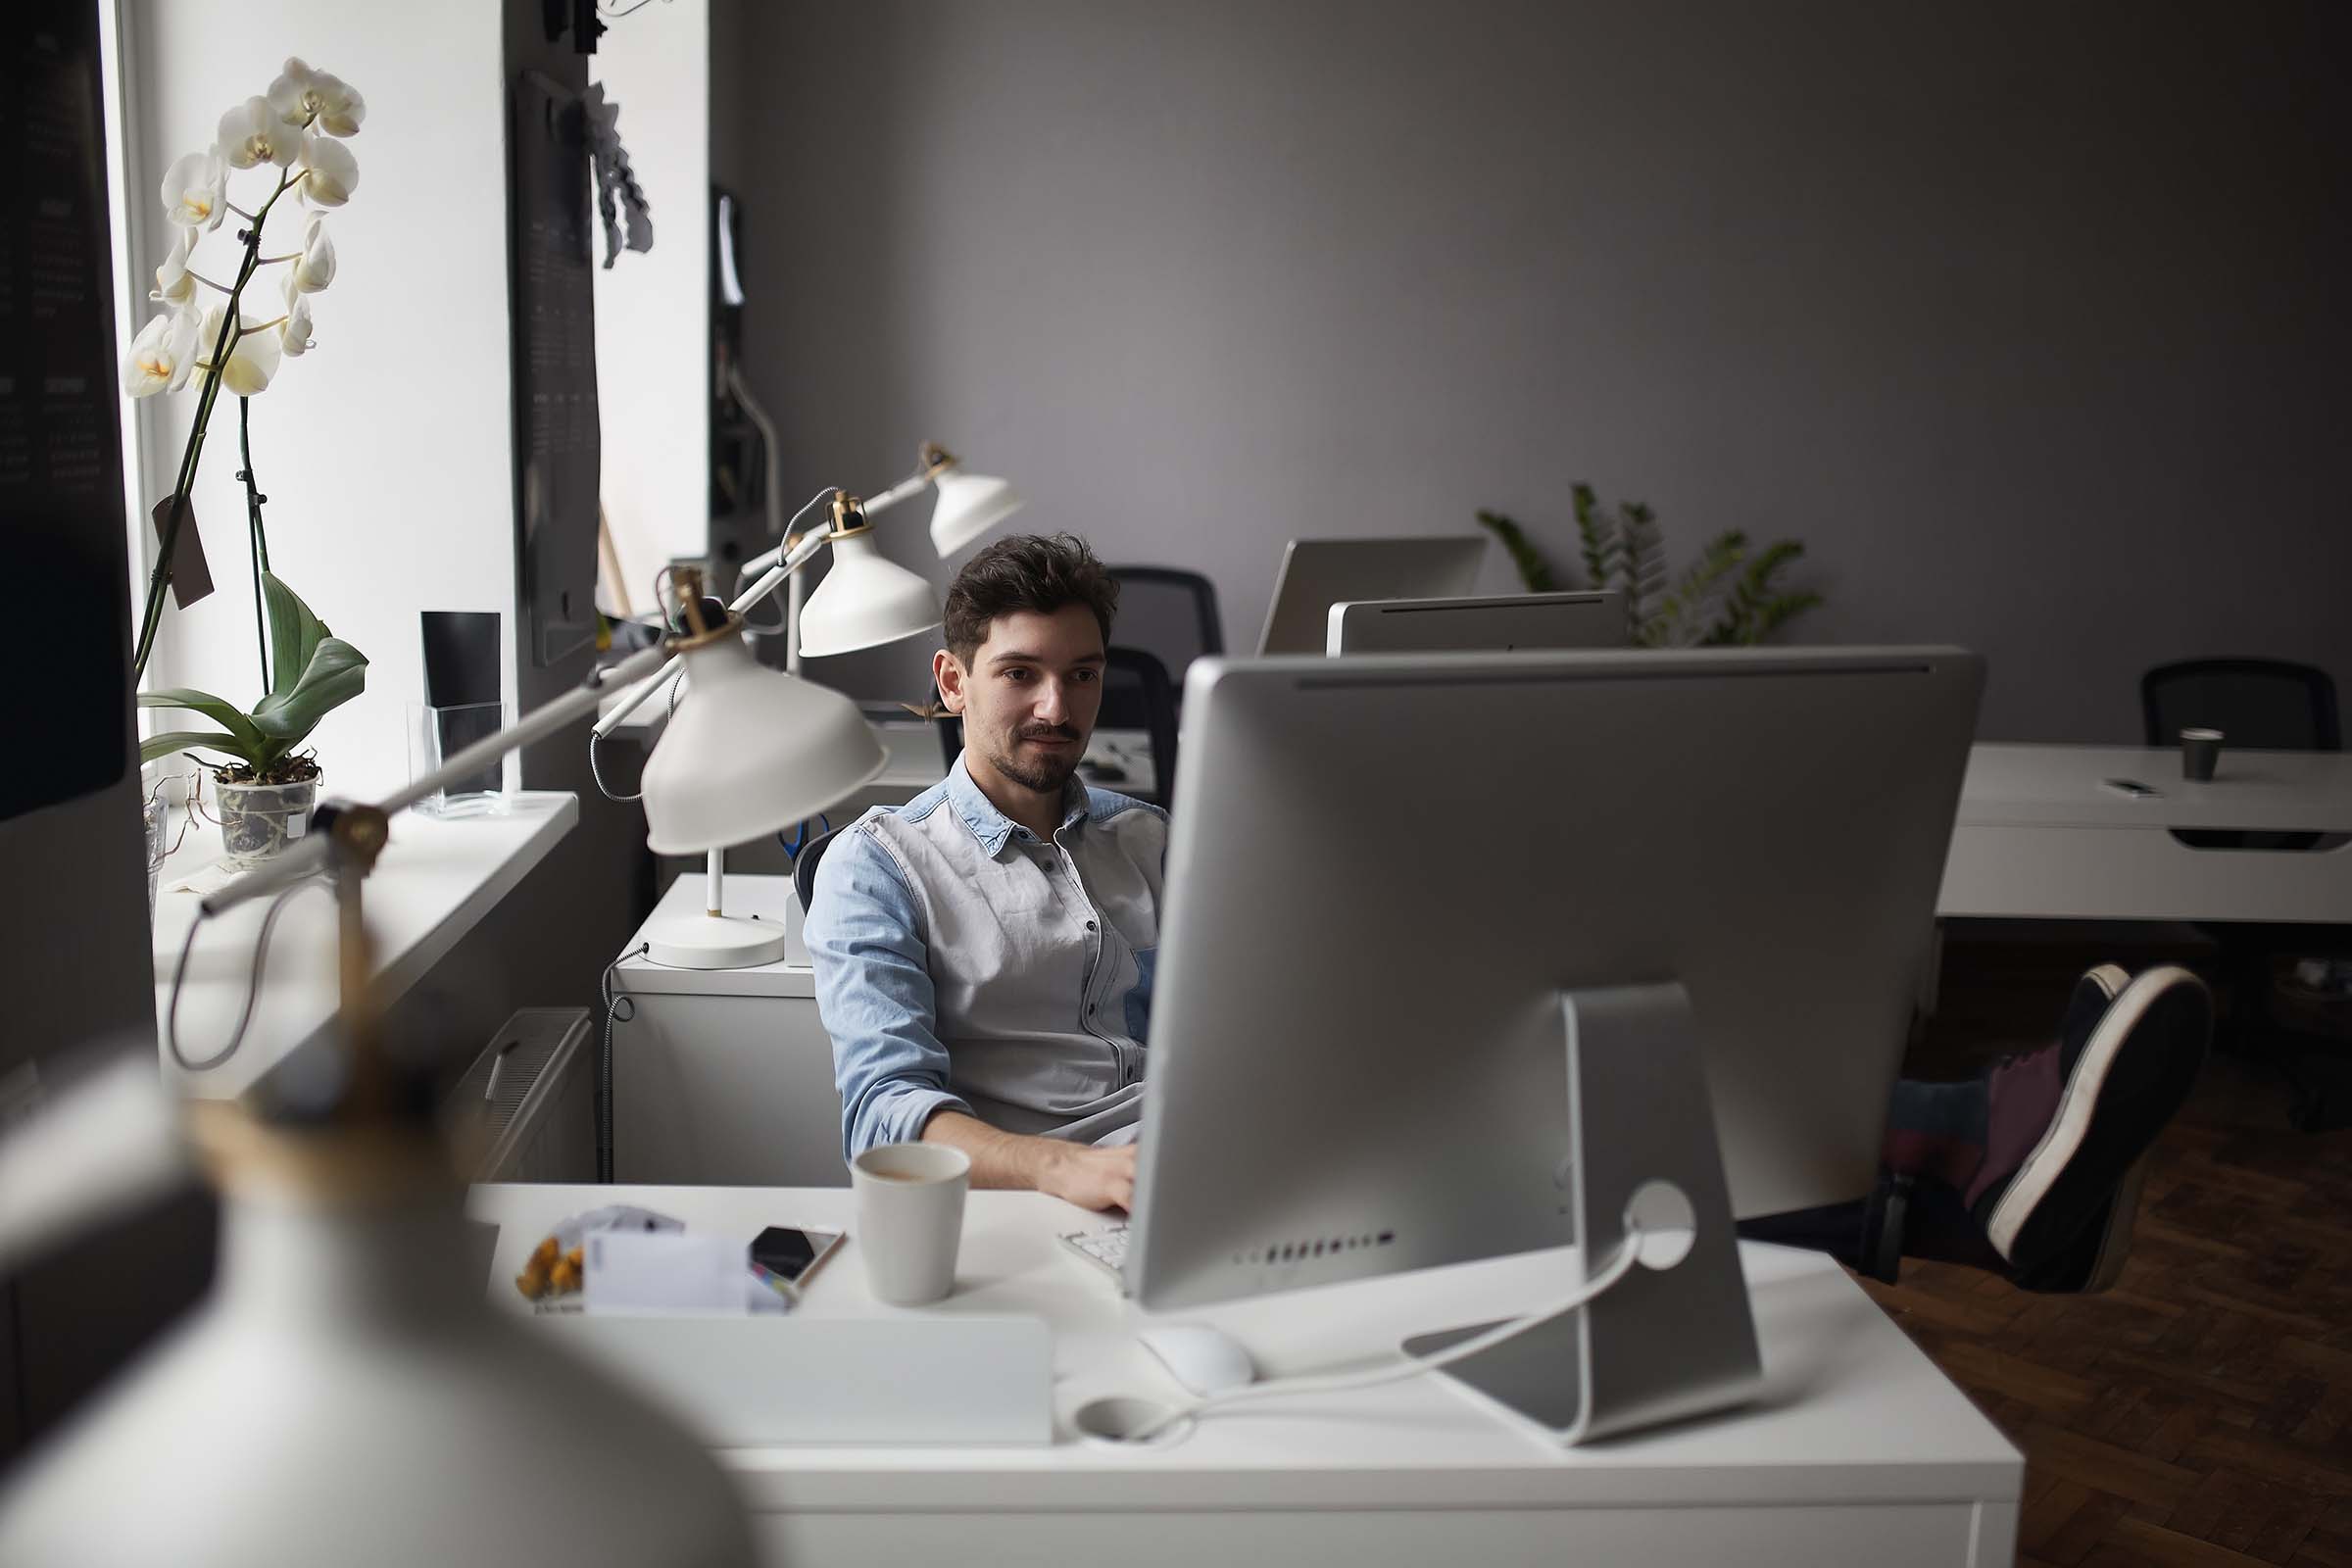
(2200, 751)
(910, 1218)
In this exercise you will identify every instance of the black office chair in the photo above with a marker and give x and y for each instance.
(2262, 704)
(803, 864)
(1171, 614)
(1137, 694)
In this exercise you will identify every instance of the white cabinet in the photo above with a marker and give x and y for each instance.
(724, 1077)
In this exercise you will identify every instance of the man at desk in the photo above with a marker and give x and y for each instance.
(983, 953)
(984, 958)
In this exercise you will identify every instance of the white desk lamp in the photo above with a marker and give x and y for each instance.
(968, 505)
(346, 1395)
(865, 601)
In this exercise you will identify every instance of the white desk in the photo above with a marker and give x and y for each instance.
(433, 883)
(2039, 835)
(1859, 1451)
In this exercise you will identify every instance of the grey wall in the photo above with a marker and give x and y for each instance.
(2026, 319)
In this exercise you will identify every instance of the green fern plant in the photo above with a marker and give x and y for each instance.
(1724, 597)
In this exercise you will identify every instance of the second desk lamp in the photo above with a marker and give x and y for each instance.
(865, 601)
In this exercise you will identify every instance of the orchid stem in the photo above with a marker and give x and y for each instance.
(151, 617)
(255, 538)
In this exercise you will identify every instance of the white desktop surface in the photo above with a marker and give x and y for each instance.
(2066, 785)
(433, 883)
(2040, 834)
(1859, 1451)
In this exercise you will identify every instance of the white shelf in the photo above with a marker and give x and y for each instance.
(434, 884)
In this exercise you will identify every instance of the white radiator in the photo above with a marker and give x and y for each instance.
(529, 1103)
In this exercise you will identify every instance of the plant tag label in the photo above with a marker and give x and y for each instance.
(191, 578)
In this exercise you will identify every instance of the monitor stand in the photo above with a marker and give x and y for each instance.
(1664, 1342)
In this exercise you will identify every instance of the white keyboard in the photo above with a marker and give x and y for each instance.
(1105, 1248)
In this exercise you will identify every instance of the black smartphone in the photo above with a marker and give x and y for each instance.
(789, 1253)
(2132, 787)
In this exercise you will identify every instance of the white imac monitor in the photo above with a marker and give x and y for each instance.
(1500, 623)
(1428, 917)
(1317, 573)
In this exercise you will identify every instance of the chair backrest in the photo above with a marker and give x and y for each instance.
(803, 864)
(1137, 694)
(2263, 704)
(951, 738)
(1169, 614)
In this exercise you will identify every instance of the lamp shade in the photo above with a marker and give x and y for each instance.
(969, 505)
(864, 601)
(750, 753)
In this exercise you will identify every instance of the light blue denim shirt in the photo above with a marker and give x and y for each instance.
(965, 963)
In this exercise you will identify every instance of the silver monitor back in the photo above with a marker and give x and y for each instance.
(1498, 624)
(1388, 867)
(1317, 573)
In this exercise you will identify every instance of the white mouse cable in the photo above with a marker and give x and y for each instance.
(1629, 1253)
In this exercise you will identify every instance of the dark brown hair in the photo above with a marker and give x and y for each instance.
(1027, 572)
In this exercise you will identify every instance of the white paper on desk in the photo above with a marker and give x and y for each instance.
(664, 1272)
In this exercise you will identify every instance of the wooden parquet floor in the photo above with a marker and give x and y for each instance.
(2200, 1413)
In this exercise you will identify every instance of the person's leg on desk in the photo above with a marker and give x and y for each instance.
(2030, 1170)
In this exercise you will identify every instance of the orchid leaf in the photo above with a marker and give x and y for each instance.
(335, 674)
(228, 714)
(295, 633)
(154, 748)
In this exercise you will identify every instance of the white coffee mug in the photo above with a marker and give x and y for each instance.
(910, 1218)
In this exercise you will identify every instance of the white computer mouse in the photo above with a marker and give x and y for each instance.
(1203, 1359)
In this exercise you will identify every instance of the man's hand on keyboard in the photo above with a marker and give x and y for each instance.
(1091, 1177)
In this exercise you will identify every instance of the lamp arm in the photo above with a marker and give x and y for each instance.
(771, 558)
(914, 484)
(316, 852)
(800, 555)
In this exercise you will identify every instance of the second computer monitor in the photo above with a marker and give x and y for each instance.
(1317, 573)
(1500, 623)
(1389, 870)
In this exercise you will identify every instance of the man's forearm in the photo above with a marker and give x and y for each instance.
(999, 1158)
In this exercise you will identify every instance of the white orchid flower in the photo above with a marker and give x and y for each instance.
(196, 191)
(314, 267)
(252, 362)
(174, 285)
(317, 98)
(253, 133)
(160, 355)
(294, 332)
(330, 172)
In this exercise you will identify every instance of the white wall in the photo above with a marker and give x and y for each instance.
(386, 451)
(2028, 319)
(653, 308)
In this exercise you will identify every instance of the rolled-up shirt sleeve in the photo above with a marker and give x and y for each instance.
(873, 991)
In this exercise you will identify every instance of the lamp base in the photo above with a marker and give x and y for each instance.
(713, 942)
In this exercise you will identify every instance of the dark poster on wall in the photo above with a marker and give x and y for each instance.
(62, 527)
(557, 432)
